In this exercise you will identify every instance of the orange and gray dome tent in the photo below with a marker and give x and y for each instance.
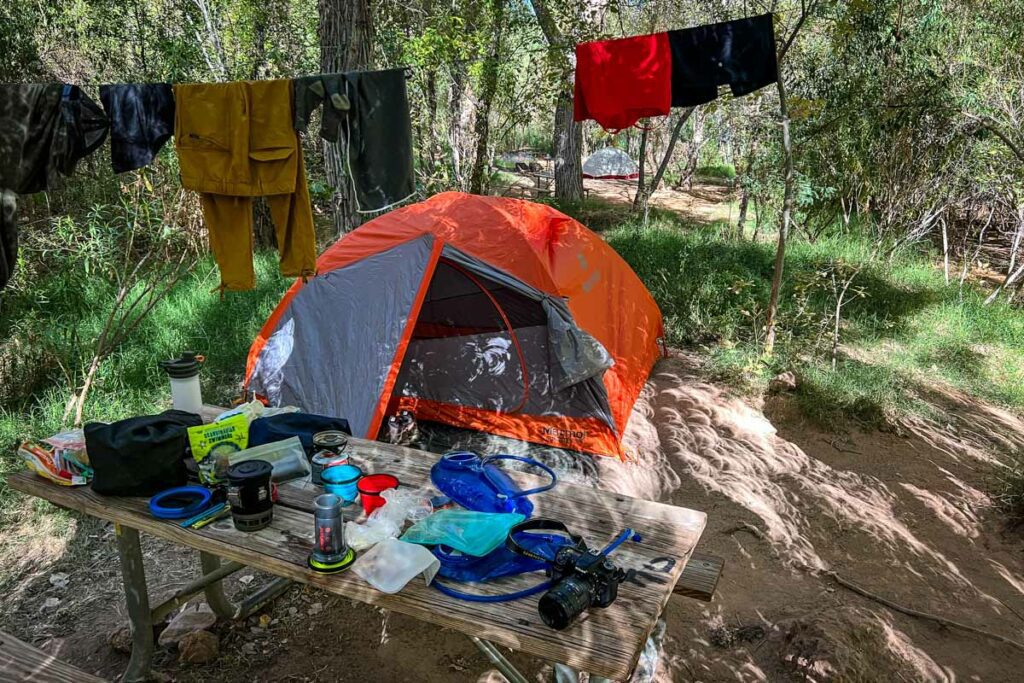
(485, 313)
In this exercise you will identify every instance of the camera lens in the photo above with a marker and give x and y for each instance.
(565, 601)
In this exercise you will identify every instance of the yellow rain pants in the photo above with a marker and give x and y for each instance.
(236, 141)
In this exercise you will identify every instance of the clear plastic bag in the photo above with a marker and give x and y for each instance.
(254, 409)
(403, 504)
(392, 564)
(469, 532)
(371, 532)
(387, 521)
(287, 457)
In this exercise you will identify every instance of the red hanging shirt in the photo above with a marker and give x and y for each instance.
(619, 82)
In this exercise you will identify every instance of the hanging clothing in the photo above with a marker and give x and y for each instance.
(368, 112)
(45, 129)
(236, 141)
(740, 54)
(82, 129)
(8, 235)
(619, 82)
(311, 92)
(141, 121)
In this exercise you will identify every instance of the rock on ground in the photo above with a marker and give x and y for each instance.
(198, 647)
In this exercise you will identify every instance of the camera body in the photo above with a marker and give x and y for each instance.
(582, 579)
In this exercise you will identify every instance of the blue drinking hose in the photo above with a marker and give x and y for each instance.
(505, 597)
(624, 536)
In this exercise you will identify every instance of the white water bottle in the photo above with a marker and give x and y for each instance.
(184, 375)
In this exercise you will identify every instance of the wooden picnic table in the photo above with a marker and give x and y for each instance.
(604, 642)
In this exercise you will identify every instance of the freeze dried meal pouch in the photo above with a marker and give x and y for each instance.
(213, 443)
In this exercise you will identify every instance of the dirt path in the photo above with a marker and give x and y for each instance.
(905, 516)
(705, 202)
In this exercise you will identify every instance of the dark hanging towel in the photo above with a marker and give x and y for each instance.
(141, 121)
(368, 111)
(29, 114)
(44, 131)
(740, 54)
(82, 129)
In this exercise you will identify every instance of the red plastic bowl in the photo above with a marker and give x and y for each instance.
(371, 486)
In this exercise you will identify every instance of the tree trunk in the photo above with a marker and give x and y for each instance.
(693, 151)
(263, 226)
(568, 151)
(488, 89)
(568, 136)
(430, 165)
(644, 192)
(757, 217)
(787, 214)
(346, 42)
(458, 124)
(741, 221)
(640, 200)
(945, 250)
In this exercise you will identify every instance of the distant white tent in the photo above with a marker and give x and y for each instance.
(610, 163)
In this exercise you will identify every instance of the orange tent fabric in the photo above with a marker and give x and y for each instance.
(544, 249)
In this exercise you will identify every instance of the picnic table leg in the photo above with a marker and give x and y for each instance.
(567, 674)
(137, 599)
(504, 666)
(225, 608)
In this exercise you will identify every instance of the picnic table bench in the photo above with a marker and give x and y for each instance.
(604, 642)
(20, 662)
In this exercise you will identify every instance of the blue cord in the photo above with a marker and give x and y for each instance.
(160, 511)
(506, 597)
(626, 534)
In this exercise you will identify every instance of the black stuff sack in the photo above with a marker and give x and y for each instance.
(140, 456)
(282, 426)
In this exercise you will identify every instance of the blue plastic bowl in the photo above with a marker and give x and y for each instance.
(341, 480)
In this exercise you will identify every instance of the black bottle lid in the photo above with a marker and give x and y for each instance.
(184, 367)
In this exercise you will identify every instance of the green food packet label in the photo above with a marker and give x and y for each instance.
(213, 443)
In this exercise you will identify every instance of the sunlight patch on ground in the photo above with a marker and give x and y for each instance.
(731, 448)
(904, 650)
(1008, 576)
(34, 543)
(959, 521)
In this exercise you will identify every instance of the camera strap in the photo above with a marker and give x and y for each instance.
(540, 524)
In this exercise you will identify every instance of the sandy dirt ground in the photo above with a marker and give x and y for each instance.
(904, 515)
(705, 202)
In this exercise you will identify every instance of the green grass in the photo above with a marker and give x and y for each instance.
(908, 329)
(191, 317)
(724, 171)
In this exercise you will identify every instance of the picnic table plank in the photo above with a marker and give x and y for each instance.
(603, 642)
(21, 662)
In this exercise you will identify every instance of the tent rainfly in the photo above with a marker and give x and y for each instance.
(484, 313)
(610, 163)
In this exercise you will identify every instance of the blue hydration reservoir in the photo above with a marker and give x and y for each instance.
(478, 484)
(502, 561)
